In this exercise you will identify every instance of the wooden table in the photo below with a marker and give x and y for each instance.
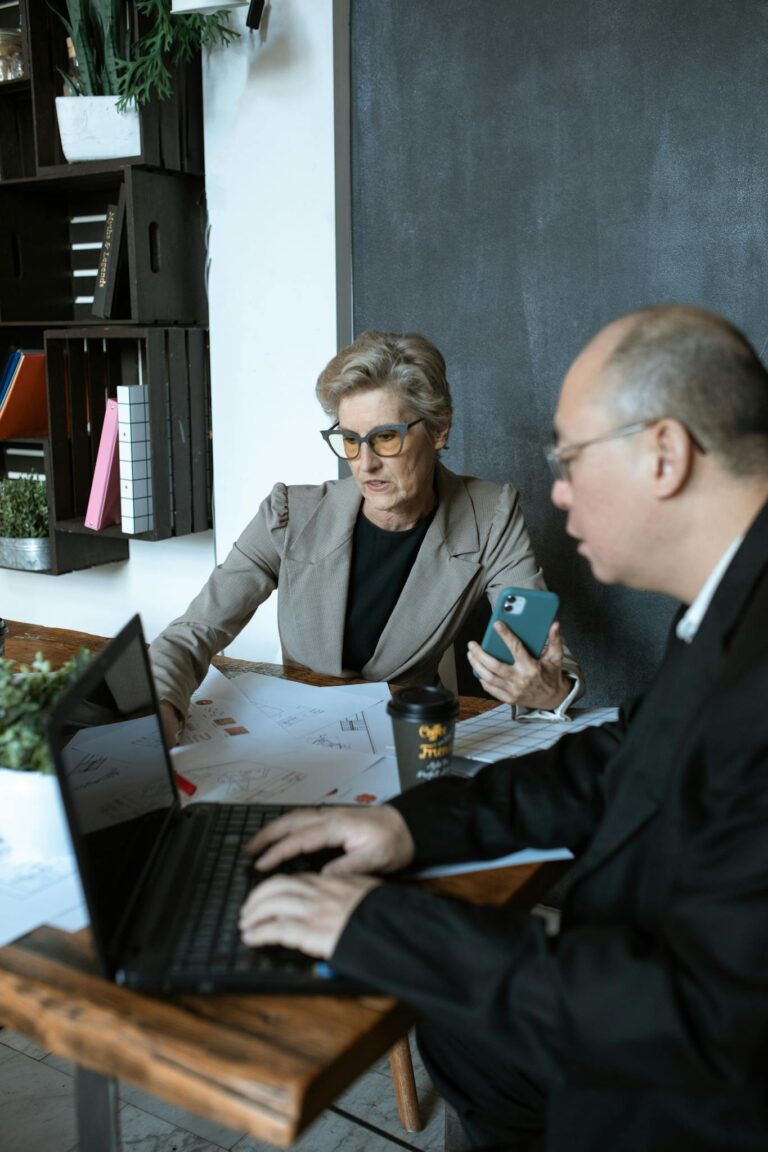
(267, 1065)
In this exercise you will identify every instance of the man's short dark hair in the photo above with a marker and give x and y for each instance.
(697, 368)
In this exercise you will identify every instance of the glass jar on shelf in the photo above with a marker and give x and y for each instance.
(11, 61)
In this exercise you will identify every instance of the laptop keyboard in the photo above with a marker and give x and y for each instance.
(210, 941)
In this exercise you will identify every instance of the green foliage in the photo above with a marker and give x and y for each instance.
(168, 42)
(25, 700)
(78, 23)
(108, 67)
(23, 508)
(105, 17)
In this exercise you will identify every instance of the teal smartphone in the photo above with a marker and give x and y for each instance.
(529, 613)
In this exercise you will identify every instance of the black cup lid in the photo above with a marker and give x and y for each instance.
(424, 703)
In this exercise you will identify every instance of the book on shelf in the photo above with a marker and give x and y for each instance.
(7, 373)
(136, 513)
(104, 499)
(110, 256)
(23, 395)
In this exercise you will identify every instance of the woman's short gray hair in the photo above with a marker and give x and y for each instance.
(405, 362)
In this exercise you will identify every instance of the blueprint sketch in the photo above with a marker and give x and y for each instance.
(242, 772)
(280, 714)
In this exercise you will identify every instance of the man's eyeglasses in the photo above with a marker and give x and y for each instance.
(384, 440)
(561, 457)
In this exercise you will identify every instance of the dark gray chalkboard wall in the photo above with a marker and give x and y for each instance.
(524, 171)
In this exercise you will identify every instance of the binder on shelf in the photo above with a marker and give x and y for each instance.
(136, 512)
(104, 500)
(8, 371)
(109, 259)
(23, 396)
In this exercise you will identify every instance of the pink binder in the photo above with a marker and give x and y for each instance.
(104, 500)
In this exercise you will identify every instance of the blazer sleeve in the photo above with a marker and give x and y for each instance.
(181, 654)
(549, 799)
(512, 563)
(608, 1004)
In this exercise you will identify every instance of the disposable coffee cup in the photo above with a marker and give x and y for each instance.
(423, 722)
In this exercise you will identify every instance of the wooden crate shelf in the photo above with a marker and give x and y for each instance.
(171, 130)
(84, 369)
(44, 268)
(156, 335)
(68, 553)
(17, 132)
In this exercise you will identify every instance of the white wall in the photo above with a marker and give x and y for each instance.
(157, 581)
(271, 187)
(271, 184)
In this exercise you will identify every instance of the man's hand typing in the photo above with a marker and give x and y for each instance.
(308, 911)
(372, 839)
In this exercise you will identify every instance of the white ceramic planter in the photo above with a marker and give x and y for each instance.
(92, 128)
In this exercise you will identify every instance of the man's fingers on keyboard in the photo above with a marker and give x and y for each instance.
(303, 842)
(276, 829)
(305, 910)
(284, 900)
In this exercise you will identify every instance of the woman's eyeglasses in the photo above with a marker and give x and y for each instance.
(384, 440)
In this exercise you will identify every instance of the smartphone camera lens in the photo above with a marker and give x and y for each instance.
(509, 601)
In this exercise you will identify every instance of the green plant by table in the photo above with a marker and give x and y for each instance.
(23, 508)
(26, 696)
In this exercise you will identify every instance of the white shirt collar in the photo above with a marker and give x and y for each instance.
(688, 625)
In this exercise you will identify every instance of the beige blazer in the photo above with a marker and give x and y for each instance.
(300, 542)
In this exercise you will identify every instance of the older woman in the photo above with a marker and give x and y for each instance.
(375, 573)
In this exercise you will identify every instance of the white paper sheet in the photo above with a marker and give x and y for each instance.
(22, 910)
(365, 694)
(377, 784)
(524, 856)
(493, 735)
(218, 711)
(244, 773)
(366, 730)
(296, 709)
(39, 880)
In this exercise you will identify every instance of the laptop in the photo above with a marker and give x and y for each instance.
(163, 884)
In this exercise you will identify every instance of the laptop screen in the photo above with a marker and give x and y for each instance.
(115, 777)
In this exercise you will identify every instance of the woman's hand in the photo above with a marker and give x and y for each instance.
(529, 682)
(373, 839)
(308, 911)
(172, 723)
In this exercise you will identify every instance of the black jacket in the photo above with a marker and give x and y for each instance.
(646, 1019)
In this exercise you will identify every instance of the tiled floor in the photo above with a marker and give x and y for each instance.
(37, 1113)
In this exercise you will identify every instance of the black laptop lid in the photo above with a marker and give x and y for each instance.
(116, 780)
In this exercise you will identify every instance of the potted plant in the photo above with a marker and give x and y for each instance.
(32, 822)
(93, 127)
(111, 78)
(24, 539)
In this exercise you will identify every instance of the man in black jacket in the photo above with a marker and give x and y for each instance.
(644, 1023)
